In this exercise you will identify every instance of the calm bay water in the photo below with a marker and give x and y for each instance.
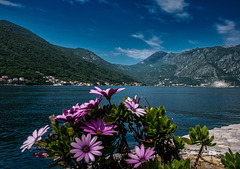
(25, 108)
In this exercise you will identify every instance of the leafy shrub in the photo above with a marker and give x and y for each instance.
(199, 136)
(230, 160)
(90, 135)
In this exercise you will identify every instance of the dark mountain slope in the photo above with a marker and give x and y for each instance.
(22, 53)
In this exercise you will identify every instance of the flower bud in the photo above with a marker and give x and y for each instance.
(71, 131)
(40, 155)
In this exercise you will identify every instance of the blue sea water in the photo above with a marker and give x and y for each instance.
(25, 108)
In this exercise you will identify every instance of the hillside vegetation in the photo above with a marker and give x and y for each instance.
(22, 53)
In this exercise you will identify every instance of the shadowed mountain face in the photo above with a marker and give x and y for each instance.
(22, 53)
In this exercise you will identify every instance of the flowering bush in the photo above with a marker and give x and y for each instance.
(94, 136)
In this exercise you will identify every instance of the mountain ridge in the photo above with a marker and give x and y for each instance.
(200, 66)
(194, 67)
(23, 53)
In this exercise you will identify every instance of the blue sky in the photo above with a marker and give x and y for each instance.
(128, 31)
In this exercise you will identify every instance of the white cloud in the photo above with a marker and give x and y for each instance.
(193, 42)
(231, 35)
(8, 3)
(176, 7)
(136, 53)
(153, 42)
(172, 6)
(139, 36)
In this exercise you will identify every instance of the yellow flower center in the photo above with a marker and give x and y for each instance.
(142, 159)
(99, 131)
(133, 109)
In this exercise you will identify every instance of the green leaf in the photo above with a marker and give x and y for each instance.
(186, 140)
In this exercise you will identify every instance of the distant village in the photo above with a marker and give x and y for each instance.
(13, 80)
(51, 80)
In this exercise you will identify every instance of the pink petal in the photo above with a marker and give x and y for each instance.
(24, 149)
(107, 133)
(102, 126)
(93, 141)
(78, 154)
(65, 112)
(120, 89)
(86, 157)
(30, 139)
(75, 145)
(25, 145)
(83, 142)
(91, 156)
(128, 105)
(90, 131)
(94, 123)
(149, 152)
(97, 143)
(142, 151)
(34, 133)
(99, 122)
(30, 145)
(96, 148)
(74, 151)
(89, 125)
(80, 158)
(132, 161)
(97, 153)
(133, 156)
(98, 89)
(137, 165)
(78, 140)
(43, 130)
(88, 139)
(137, 150)
(95, 92)
(109, 91)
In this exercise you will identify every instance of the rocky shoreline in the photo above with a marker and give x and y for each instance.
(224, 137)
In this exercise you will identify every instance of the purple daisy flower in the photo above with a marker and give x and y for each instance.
(133, 107)
(71, 115)
(135, 100)
(107, 93)
(142, 155)
(86, 148)
(99, 127)
(36, 136)
(93, 104)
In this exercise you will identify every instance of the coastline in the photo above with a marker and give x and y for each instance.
(228, 87)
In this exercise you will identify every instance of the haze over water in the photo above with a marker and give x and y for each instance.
(25, 108)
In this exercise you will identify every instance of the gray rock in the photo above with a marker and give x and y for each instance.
(224, 137)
